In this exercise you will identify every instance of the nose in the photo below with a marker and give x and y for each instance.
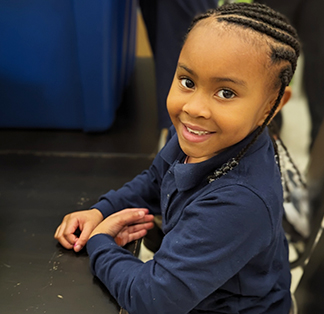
(197, 106)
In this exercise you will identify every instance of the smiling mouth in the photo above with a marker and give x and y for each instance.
(200, 133)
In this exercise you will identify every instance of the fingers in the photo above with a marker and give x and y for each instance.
(138, 227)
(65, 234)
(137, 218)
(135, 236)
(129, 210)
(86, 221)
(132, 233)
(83, 238)
(115, 223)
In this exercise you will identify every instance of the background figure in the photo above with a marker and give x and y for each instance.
(307, 17)
(167, 22)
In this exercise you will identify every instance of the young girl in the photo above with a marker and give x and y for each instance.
(216, 183)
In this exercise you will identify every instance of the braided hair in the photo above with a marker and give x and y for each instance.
(284, 51)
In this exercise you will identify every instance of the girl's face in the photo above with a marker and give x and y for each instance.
(220, 92)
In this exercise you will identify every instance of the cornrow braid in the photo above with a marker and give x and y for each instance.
(285, 47)
(256, 7)
(285, 77)
(264, 18)
(278, 54)
(264, 29)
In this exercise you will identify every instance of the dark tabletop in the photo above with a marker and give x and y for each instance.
(37, 274)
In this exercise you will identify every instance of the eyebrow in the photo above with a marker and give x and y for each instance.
(180, 65)
(216, 79)
(228, 79)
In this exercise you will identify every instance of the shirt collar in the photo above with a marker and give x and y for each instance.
(188, 176)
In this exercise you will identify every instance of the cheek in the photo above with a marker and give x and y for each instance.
(170, 105)
(169, 100)
(260, 115)
(174, 103)
(237, 120)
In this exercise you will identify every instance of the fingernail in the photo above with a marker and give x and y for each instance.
(77, 247)
(141, 214)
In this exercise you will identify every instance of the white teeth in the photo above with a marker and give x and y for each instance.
(197, 132)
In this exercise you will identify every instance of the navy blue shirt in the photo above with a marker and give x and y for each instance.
(224, 249)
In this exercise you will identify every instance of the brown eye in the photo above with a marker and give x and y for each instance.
(226, 94)
(187, 83)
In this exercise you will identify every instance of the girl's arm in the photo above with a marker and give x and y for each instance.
(210, 243)
(142, 192)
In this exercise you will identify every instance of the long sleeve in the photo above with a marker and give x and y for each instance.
(142, 192)
(215, 237)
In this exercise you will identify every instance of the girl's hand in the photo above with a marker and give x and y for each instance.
(85, 221)
(126, 226)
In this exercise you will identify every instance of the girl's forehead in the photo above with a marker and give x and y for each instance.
(226, 31)
(210, 37)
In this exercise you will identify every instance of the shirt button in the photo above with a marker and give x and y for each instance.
(168, 195)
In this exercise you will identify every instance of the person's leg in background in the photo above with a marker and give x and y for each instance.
(307, 17)
(167, 22)
(311, 30)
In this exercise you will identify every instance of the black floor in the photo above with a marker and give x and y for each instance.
(45, 174)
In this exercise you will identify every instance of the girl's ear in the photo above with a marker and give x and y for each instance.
(286, 96)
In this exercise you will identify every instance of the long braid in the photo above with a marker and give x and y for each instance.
(285, 73)
(264, 125)
(261, 19)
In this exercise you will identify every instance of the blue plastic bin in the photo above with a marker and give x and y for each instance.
(64, 63)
